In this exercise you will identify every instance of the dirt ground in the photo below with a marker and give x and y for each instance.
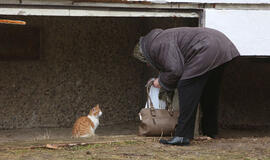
(121, 142)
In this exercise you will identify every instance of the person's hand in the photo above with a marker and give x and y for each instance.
(150, 82)
(156, 83)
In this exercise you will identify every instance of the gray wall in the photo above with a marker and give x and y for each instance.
(83, 61)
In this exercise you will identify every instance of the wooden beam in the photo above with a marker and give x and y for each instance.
(94, 12)
(7, 21)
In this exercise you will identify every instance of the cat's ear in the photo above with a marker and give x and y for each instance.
(97, 106)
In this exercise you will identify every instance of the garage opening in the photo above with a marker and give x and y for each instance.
(84, 61)
(244, 101)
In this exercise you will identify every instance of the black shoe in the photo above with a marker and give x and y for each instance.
(179, 141)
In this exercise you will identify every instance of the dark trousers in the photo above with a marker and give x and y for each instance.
(205, 90)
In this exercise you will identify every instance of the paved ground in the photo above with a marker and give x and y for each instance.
(121, 142)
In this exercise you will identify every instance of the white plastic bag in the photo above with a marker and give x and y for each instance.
(157, 103)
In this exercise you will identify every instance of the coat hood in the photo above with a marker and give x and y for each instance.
(146, 42)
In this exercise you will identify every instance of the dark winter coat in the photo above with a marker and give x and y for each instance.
(186, 52)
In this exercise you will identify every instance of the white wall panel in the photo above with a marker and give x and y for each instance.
(248, 29)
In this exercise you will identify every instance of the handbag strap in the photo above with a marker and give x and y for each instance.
(150, 105)
(169, 105)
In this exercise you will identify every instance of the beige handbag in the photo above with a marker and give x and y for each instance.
(157, 122)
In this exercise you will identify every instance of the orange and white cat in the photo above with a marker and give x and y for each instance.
(85, 126)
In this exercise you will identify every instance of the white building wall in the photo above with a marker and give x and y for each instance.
(248, 29)
(211, 1)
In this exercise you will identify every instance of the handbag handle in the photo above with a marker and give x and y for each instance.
(150, 106)
(148, 86)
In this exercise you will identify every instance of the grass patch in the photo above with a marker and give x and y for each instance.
(86, 147)
(132, 142)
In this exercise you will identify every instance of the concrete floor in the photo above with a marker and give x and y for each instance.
(35, 134)
(127, 129)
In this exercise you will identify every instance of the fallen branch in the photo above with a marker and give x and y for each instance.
(58, 146)
(61, 145)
